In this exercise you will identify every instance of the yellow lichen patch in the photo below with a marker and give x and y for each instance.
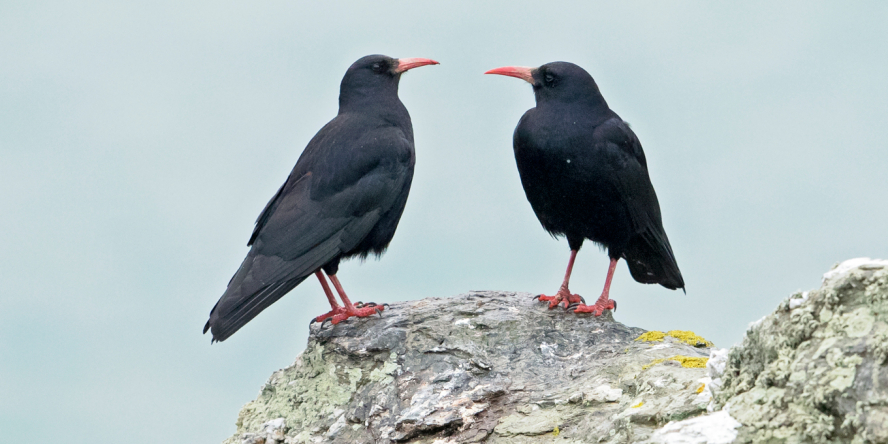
(700, 389)
(653, 363)
(691, 361)
(686, 336)
(651, 336)
(685, 361)
(689, 337)
(638, 405)
(556, 432)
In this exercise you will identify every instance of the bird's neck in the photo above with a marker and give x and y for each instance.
(592, 112)
(384, 106)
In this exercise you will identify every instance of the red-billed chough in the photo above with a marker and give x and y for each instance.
(585, 176)
(343, 198)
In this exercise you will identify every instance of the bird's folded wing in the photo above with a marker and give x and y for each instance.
(336, 195)
(649, 254)
(308, 223)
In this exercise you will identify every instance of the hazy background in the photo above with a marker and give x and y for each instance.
(139, 141)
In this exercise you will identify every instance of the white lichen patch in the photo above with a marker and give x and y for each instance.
(716, 428)
(795, 302)
(465, 322)
(548, 349)
(537, 422)
(601, 394)
(851, 264)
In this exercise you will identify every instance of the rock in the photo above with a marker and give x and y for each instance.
(717, 428)
(497, 367)
(486, 366)
(271, 432)
(815, 371)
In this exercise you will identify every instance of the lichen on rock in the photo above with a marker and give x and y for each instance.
(686, 336)
(684, 361)
(814, 370)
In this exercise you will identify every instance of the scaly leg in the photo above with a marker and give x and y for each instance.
(603, 302)
(335, 309)
(563, 293)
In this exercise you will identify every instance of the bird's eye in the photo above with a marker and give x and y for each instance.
(550, 79)
(377, 67)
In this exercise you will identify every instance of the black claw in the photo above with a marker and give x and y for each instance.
(573, 306)
(385, 305)
(313, 320)
(583, 299)
(330, 320)
(379, 311)
(536, 297)
(615, 306)
(370, 304)
(358, 304)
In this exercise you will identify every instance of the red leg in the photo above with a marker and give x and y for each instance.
(327, 291)
(335, 309)
(603, 302)
(350, 310)
(563, 293)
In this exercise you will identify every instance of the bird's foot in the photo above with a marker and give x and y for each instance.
(360, 310)
(563, 295)
(335, 311)
(596, 309)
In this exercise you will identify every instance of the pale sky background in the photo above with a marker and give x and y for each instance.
(140, 140)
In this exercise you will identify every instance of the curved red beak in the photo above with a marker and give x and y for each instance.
(407, 64)
(520, 72)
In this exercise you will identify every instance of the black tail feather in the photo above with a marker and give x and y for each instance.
(224, 327)
(651, 261)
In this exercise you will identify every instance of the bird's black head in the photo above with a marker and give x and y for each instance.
(374, 78)
(564, 82)
(561, 82)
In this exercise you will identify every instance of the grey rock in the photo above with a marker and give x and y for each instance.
(493, 367)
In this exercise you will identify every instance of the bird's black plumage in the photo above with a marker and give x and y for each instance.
(585, 174)
(343, 198)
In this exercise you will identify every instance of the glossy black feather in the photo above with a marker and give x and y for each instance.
(343, 198)
(585, 175)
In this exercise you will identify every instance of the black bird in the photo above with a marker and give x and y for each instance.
(344, 198)
(585, 176)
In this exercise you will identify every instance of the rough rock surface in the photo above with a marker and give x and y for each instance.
(480, 367)
(500, 368)
(814, 371)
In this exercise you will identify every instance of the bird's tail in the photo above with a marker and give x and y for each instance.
(246, 308)
(260, 281)
(651, 260)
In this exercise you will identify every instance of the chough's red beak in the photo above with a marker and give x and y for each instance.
(416, 62)
(520, 72)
